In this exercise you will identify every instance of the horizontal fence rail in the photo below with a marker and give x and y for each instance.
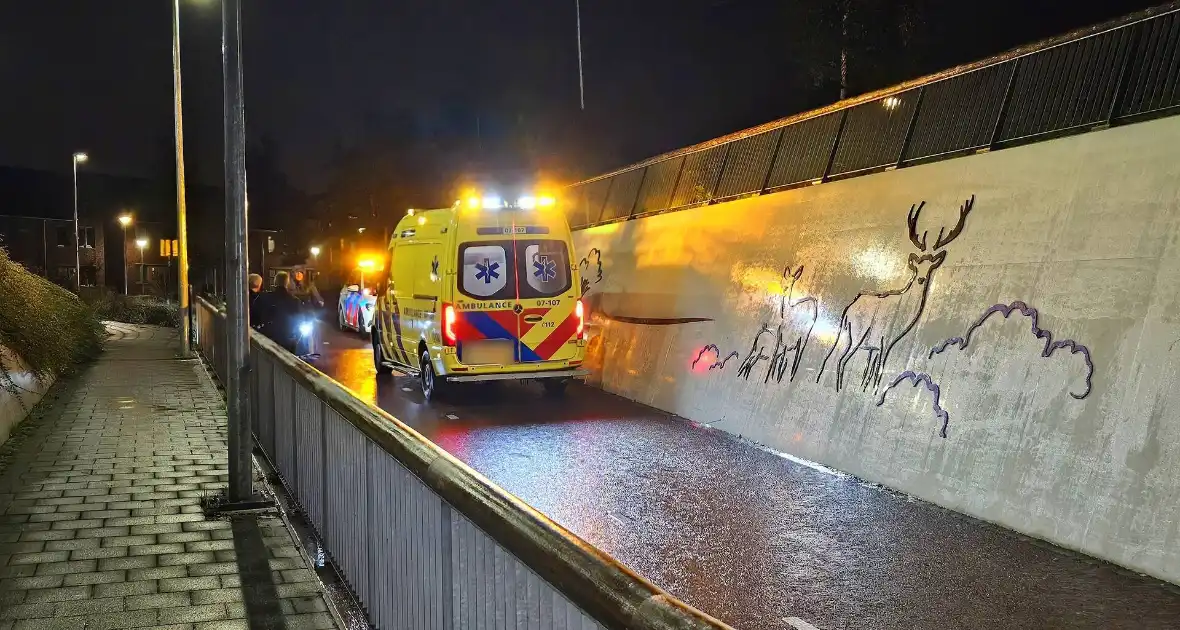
(422, 540)
(1118, 72)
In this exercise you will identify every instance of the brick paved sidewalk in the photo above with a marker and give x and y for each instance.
(100, 523)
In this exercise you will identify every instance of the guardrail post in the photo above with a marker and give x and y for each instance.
(1120, 86)
(835, 145)
(638, 192)
(1004, 104)
(909, 132)
(324, 516)
(720, 171)
(605, 200)
(675, 183)
(448, 576)
(778, 145)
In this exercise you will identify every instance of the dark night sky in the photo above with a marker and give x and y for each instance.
(322, 77)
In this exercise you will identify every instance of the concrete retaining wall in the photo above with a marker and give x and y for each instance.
(28, 392)
(1018, 365)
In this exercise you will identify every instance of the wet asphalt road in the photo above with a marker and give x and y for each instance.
(747, 535)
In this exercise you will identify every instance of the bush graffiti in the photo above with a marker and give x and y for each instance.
(874, 323)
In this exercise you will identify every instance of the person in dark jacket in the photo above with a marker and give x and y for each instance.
(255, 282)
(278, 313)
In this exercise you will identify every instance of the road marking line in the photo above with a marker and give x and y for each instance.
(407, 389)
(799, 624)
(451, 416)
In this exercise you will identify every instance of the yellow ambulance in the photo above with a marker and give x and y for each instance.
(485, 290)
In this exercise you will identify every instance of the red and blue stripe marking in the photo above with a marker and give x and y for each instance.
(507, 325)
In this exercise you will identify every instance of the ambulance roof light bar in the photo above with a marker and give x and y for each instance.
(495, 202)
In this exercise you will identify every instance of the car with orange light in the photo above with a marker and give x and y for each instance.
(356, 308)
(485, 290)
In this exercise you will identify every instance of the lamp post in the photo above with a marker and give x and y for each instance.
(79, 158)
(124, 221)
(141, 243)
(237, 346)
(181, 212)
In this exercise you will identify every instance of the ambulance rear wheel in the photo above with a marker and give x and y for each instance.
(379, 354)
(432, 385)
(555, 386)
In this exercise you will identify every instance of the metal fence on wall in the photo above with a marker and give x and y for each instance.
(421, 539)
(1115, 73)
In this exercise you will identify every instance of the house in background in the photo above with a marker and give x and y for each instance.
(45, 246)
(36, 226)
(150, 269)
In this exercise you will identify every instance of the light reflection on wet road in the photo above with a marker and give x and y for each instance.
(748, 536)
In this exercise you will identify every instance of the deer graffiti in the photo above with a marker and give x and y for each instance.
(793, 341)
(876, 321)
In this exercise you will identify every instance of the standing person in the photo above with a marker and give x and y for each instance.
(255, 283)
(304, 288)
(278, 311)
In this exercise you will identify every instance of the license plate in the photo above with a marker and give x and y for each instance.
(488, 352)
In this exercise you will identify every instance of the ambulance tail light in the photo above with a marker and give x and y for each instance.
(580, 311)
(449, 318)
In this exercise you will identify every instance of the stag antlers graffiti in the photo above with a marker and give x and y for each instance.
(875, 321)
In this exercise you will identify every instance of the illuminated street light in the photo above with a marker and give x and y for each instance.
(891, 102)
(124, 221)
(315, 251)
(79, 158)
(141, 243)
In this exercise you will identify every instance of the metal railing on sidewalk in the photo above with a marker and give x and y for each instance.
(1119, 72)
(423, 540)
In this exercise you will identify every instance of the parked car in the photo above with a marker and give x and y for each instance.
(356, 308)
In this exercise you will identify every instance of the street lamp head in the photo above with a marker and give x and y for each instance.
(315, 250)
(141, 243)
(124, 220)
(80, 157)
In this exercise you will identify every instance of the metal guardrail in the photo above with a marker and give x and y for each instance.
(1121, 71)
(424, 541)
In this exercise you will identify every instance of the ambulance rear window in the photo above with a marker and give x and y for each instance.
(486, 270)
(490, 269)
(547, 268)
